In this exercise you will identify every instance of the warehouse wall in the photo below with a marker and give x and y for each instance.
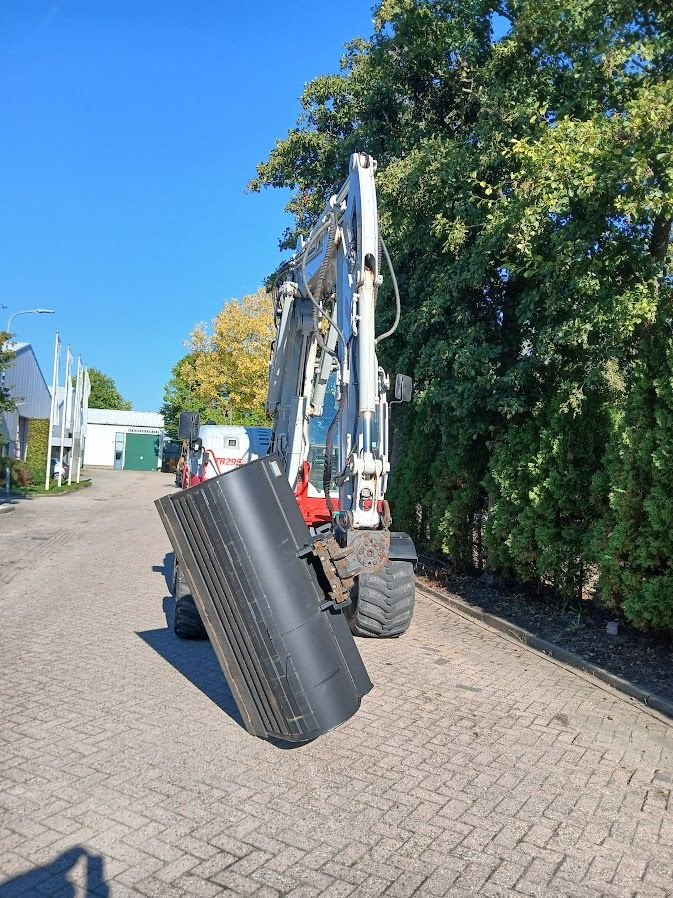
(99, 447)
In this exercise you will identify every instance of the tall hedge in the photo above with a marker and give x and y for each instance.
(635, 546)
(526, 195)
(37, 448)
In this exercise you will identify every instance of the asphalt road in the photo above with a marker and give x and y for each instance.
(475, 767)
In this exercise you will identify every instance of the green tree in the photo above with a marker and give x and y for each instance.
(104, 393)
(228, 367)
(526, 194)
(180, 395)
(224, 377)
(37, 449)
(7, 403)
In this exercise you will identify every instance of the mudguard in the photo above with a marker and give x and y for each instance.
(402, 548)
(287, 654)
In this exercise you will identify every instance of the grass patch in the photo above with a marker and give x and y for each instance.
(54, 489)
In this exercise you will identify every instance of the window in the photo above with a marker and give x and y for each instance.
(233, 443)
(317, 433)
(23, 437)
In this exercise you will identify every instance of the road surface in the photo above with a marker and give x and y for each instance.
(475, 767)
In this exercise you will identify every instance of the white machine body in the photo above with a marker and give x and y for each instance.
(325, 305)
(227, 447)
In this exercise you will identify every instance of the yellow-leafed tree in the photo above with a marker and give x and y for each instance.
(227, 368)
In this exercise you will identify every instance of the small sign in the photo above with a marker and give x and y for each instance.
(143, 430)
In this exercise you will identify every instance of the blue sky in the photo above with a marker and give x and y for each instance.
(130, 128)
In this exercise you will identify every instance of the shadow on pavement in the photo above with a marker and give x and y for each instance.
(14, 499)
(166, 569)
(53, 879)
(194, 659)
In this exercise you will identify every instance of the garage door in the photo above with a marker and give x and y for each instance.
(142, 452)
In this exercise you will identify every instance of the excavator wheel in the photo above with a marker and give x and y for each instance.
(383, 603)
(187, 623)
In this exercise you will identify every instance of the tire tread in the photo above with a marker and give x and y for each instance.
(187, 623)
(384, 602)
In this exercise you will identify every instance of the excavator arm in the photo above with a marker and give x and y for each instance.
(325, 354)
(325, 304)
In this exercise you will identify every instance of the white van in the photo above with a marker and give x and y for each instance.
(226, 447)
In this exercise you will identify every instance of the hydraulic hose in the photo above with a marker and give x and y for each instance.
(329, 442)
(321, 312)
(392, 330)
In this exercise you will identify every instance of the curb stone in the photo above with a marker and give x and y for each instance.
(651, 700)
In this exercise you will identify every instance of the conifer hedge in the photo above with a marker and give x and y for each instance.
(526, 193)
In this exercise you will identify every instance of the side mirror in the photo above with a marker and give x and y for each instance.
(404, 387)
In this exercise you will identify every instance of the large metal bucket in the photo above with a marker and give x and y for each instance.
(287, 654)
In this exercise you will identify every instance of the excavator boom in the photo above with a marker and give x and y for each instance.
(325, 348)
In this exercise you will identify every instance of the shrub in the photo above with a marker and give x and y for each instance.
(20, 474)
(36, 452)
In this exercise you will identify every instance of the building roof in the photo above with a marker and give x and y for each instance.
(26, 383)
(125, 419)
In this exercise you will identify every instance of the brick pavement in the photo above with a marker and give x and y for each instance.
(473, 768)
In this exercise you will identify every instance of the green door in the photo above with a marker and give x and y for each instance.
(142, 452)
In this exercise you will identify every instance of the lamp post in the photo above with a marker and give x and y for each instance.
(9, 324)
(28, 312)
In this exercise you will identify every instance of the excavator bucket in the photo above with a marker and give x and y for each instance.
(286, 652)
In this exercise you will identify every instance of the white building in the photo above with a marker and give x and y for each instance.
(123, 440)
(26, 385)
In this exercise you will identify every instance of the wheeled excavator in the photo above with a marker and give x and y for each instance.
(328, 401)
(288, 556)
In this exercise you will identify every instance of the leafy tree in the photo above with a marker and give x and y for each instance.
(7, 403)
(225, 375)
(104, 393)
(588, 209)
(183, 396)
(526, 194)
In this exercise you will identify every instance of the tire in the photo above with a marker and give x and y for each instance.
(187, 623)
(383, 603)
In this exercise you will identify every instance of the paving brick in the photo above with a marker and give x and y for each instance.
(274, 880)
(287, 856)
(344, 874)
(202, 888)
(176, 869)
(474, 767)
(242, 885)
(157, 888)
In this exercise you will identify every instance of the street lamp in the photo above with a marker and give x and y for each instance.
(9, 324)
(29, 312)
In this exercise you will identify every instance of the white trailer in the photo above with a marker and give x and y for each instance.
(227, 447)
